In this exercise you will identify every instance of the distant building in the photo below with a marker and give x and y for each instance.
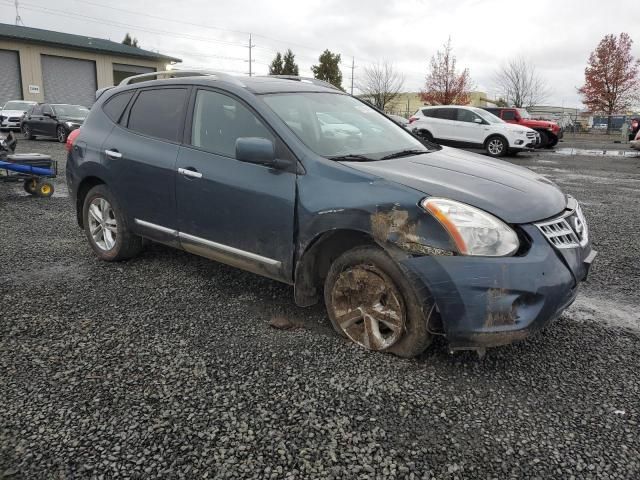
(56, 67)
(406, 104)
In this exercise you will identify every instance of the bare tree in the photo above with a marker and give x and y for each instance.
(381, 83)
(520, 84)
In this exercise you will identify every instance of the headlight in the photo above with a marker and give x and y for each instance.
(473, 231)
(70, 124)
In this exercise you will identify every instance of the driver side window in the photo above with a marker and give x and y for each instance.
(219, 120)
(508, 115)
(467, 116)
(46, 110)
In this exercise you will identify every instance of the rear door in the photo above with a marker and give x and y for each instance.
(447, 123)
(141, 153)
(235, 212)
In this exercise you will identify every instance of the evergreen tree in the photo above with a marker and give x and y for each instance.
(276, 65)
(129, 40)
(328, 69)
(289, 66)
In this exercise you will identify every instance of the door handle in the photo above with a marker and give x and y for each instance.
(113, 154)
(187, 172)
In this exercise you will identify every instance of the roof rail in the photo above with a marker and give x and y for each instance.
(165, 74)
(315, 81)
(100, 91)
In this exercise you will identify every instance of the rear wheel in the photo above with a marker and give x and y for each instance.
(426, 134)
(61, 134)
(27, 132)
(371, 302)
(496, 146)
(30, 185)
(106, 227)
(553, 142)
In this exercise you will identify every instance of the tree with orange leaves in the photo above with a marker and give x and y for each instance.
(611, 77)
(444, 85)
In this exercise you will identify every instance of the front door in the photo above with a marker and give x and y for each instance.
(239, 213)
(48, 123)
(470, 127)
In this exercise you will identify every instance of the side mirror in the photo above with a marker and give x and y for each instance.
(256, 150)
(477, 120)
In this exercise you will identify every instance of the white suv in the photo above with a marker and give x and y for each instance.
(471, 127)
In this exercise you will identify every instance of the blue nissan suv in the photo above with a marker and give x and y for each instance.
(295, 180)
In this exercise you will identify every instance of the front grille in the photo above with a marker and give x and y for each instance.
(531, 135)
(567, 231)
(14, 119)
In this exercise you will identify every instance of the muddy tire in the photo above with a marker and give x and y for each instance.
(106, 228)
(553, 142)
(371, 301)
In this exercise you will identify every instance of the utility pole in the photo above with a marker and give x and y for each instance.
(251, 45)
(353, 66)
(18, 17)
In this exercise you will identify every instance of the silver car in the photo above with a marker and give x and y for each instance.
(12, 113)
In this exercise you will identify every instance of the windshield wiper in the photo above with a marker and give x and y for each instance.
(351, 157)
(404, 153)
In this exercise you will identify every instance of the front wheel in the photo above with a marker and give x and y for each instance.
(61, 134)
(106, 227)
(544, 139)
(27, 132)
(371, 302)
(496, 147)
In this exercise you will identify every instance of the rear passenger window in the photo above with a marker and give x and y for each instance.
(508, 115)
(219, 120)
(428, 112)
(445, 113)
(116, 105)
(159, 113)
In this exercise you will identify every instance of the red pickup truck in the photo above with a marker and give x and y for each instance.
(550, 132)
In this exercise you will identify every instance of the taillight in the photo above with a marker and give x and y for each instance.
(71, 138)
(412, 119)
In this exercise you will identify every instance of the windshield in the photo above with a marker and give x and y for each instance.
(72, 111)
(23, 106)
(336, 125)
(489, 117)
(523, 113)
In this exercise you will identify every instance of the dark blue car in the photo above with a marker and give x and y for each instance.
(403, 239)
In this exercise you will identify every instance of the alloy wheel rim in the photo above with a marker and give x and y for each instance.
(495, 146)
(60, 134)
(103, 226)
(368, 307)
(27, 131)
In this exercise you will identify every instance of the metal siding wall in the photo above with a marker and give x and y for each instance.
(10, 82)
(68, 80)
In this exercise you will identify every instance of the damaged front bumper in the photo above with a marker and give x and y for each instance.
(487, 302)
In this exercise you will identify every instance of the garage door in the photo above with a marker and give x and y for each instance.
(68, 80)
(10, 84)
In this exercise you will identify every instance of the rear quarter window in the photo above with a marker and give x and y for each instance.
(114, 107)
(159, 113)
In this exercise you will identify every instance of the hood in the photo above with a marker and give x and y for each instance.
(514, 194)
(538, 123)
(514, 127)
(71, 119)
(12, 113)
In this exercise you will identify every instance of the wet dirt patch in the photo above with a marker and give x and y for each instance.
(612, 313)
(591, 152)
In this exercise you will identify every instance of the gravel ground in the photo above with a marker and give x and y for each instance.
(166, 366)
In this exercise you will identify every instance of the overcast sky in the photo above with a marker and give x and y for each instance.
(554, 35)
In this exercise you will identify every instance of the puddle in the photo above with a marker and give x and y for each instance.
(606, 311)
(596, 152)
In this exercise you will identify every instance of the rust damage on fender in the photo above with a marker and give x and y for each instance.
(395, 227)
